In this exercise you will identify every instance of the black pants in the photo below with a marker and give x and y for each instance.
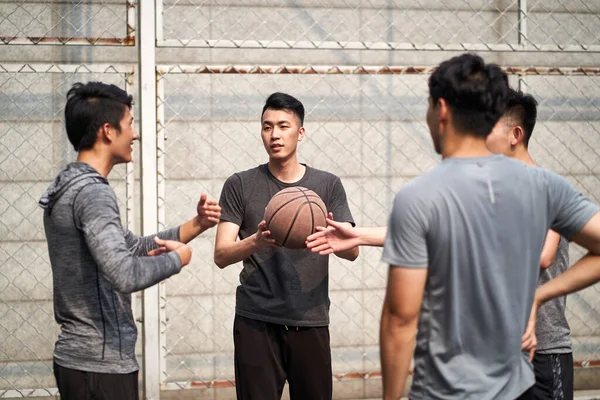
(266, 355)
(553, 378)
(82, 385)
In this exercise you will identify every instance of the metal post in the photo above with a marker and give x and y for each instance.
(160, 162)
(147, 85)
(159, 21)
(522, 19)
(130, 190)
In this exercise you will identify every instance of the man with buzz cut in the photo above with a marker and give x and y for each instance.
(553, 360)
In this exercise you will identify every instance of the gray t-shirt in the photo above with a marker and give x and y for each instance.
(552, 328)
(478, 225)
(279, 285)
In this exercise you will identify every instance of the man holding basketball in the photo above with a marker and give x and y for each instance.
(464, 244)
(282, 304)
(96, 263)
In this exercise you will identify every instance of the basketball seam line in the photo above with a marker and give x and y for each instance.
(293, 221)
(285, 204)
(312, 214)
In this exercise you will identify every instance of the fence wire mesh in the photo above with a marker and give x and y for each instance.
(366, 125)
(377, 24)
(33, 148)
(92, 22)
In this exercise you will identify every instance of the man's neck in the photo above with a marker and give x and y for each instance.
(288, 171)
(522, 154)
(99, 162)
(464, 146)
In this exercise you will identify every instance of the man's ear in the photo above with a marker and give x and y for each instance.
(444, 113)
(301, 133)
(106, 133)
(517, 135)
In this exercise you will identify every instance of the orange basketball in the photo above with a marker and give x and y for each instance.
(293, 214)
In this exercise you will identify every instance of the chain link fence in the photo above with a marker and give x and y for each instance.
(33, 148)
(473, 25)
(366, 125)
(95, 22)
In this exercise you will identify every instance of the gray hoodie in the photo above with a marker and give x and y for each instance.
(96, 265)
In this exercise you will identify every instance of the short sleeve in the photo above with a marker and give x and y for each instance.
(232, 200)
(406, 241)
(339, 203)
(569, 209)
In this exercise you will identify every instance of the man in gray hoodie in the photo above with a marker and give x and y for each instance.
(96, 263)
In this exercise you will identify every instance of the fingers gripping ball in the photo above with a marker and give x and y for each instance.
(293, 214)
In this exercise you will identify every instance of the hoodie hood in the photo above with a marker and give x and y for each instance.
(71, 174)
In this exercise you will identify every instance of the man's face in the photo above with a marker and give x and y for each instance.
(281, 132)
(122, 143)
(433, 122)
(501, 138)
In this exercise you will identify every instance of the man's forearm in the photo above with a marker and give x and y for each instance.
(397, 340)
(231, 253)
(372, 236)
(190, 230)
(584, 273)
(141, 245)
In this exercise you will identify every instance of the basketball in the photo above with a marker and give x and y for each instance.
(293, 214)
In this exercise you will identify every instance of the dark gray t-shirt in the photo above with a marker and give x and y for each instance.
(552, 328)
(278, 285)
(478, 225)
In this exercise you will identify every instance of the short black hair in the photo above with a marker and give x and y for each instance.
(282, 101)
(91, 105)
(522, 108)
(476, 92)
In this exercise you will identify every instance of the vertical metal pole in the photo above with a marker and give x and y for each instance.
(522, 37)
(160, 162)
(522, 20)
(130, 167)
(130, 188)
(131, 25)
(159, 21)
(147, 99)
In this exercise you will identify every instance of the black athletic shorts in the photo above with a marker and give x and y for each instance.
(553, 378)
(83, 385)
(266, 355)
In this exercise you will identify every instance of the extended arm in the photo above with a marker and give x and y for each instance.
(348, 254)
(97, 215)
(340, 237)
(208, 214)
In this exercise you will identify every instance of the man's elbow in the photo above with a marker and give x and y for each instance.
(219, 259)
(396, 320)
(546, 262)
(124, 287)
(354, 253)
(349, 255)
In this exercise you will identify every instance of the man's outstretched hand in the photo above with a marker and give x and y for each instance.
(333, 238)
(166, 246)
